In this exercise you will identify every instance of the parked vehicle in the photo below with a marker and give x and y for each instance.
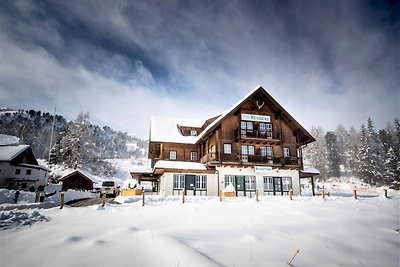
(109, 188)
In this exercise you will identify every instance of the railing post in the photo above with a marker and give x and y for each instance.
(103, 200)
(62, 200)
(355, 193)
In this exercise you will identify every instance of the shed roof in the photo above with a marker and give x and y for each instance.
(82, 173)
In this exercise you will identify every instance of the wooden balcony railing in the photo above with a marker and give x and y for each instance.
(256, 134)
(258, 159)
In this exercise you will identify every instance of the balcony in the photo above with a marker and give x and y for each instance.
(213, 158)
(267, 137)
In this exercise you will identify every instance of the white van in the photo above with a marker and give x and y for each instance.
(109, 188)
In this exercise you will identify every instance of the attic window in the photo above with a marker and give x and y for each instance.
(18, 171)
(193, 133)
(28, 172)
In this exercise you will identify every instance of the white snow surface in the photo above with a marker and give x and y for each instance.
(180, 165)
(337, 231)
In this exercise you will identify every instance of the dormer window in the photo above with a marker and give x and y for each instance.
(193, 133)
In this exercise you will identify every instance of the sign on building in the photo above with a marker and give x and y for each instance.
(254, 117)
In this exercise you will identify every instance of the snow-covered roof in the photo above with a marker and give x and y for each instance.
(8, 153)
(310, 170)
(180, 165)
(224, 114)
(84, 173)
(165, 129)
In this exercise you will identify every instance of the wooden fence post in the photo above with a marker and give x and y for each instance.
(183, 196)
(62, 200)
(220, 195)
(257, 194)
(143, 198)
(323, 193)
(291, 194)
(103, 200)
(386, 195)
(355, 193)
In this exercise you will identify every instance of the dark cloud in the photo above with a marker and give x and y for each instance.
(326, 62)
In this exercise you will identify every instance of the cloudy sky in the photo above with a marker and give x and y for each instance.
(326, 62)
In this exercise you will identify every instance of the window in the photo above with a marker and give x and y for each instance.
(230, 179)
(247, 150)
(286, 152)
(227, 148)
(28, 172)
(172, 154)
(179, 181)
(201, 182)
(193, 155)
(250, 182)
(193, 133)
(268, 183)
(18, 171)
(246, 126)
(286, 183)
(266, 151)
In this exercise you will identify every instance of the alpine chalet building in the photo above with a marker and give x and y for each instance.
(256, 144)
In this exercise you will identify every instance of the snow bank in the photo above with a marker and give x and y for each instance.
(7, 196)
(15, 219)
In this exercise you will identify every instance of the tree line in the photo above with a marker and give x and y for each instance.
(76, 144)
(370, 154)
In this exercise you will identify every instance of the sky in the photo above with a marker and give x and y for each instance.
(325, 62)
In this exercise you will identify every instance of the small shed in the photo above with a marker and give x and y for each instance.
(77, 180)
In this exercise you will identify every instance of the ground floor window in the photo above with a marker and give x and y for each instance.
(268, 183)
(250, 182)
(286, 183)
(201, 182)
(230, 179)
(277, 185)
(179, 181)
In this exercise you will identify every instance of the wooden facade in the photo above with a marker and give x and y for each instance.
(258, 131)
(255, 145)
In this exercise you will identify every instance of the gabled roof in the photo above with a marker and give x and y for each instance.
(271, 101)
(82, 173)
(164, 129)
(8, 153)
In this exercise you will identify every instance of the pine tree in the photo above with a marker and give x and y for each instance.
(343, 143)
(351, 150)
(315, 153)
(77, 148)
(332, 155)
(370, 163)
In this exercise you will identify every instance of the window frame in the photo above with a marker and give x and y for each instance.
(28, 172)
(250, 182)
(178, 181)
(268, 183)
(193, 155)
(17, 171)
(286, 152)
(193, 132)
(172, 152)
(226, 145)
(201, 182)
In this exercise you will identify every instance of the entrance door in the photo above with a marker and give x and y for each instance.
(278, 185)
(240, 185)
(190, 184)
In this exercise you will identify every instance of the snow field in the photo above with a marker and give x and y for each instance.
(203, 231)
